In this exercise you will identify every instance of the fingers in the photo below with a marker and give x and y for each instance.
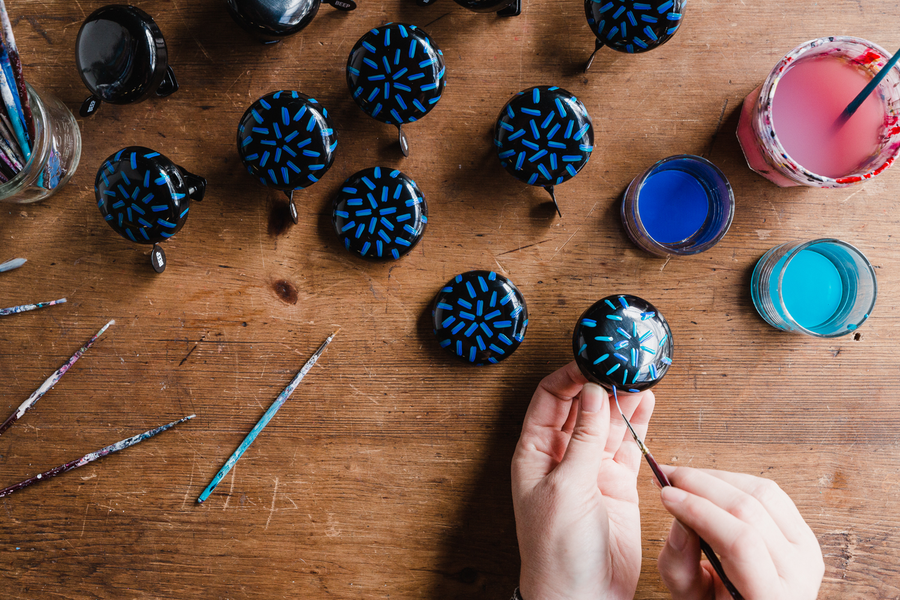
(737, 502)
(550, 404)
(628, 453)
(778, 504)
(618, 431)
(742, 550)
(584, 454)
(679, 565)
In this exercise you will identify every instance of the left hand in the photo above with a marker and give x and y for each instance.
(574, 480)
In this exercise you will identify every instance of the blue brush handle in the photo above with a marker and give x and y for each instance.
(867, 91)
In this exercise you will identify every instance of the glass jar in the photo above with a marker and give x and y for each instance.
(759, 139)
(704, 192)
(55, 152)
(823, 288)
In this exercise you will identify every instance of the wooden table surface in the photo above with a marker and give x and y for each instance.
(387, 473)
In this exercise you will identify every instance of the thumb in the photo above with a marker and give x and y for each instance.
(679, 564)
(584, 454)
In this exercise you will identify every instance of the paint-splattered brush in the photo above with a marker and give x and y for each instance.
(26, 307)
(663, 482)
(50, 382)
(89, 458)
(9, 42)
(12, 264)
(279, 401)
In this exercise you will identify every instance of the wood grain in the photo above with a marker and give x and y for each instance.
(387, 473)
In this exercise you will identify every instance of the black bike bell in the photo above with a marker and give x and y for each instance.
(273, 20)
(503, 8)
(122, 58)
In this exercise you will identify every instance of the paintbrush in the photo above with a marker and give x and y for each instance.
(9, 42)
(12, 264)
(26, 307)
(279, 401)
(50, 382)
(663, 482)
(89, 458)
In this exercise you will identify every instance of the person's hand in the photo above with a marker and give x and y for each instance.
(574, 481)
(766, 548)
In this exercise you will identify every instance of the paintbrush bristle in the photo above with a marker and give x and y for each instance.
(634, 434)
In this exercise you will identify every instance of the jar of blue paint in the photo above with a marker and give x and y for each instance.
(823, 288)
(681, 205)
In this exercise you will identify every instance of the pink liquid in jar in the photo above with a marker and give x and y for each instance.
(808, 100)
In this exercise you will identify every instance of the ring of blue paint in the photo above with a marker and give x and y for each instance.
(681, 205)
(823, 288)
(379, 214)
(396, 73)
(634, 27)
(480, 317)
(287, 140)
(623, 341)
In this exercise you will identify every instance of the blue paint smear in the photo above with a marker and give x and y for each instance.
(811, 288)
(672, 205)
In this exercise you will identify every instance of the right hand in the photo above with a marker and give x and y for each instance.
(766, 548)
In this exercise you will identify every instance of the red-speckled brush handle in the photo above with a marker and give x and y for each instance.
(710, 555)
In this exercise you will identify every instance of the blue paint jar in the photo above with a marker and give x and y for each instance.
(681, 205)
(823, 288)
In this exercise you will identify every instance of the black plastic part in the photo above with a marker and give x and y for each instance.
(196, 185)
(344, 5)
(513, 10)
(169, 84)
(90, 106)
(158, 258)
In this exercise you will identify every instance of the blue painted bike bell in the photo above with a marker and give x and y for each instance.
(480, 317)
(287, 140)
(544, 137)
(145, 197)
(632, 27)
(396, 75)
(623, 341)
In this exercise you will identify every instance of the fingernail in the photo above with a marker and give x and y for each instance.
(678, 537)
(592, 397)
(672, 495)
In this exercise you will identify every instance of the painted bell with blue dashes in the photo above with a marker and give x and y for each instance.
(146, 197)
(544, 137)
(396, 74)
(632, 27)
(287, 140)
(480, 317)
(380, 214)
(623, 341)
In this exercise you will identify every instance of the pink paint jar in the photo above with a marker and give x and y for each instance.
(810, 65)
